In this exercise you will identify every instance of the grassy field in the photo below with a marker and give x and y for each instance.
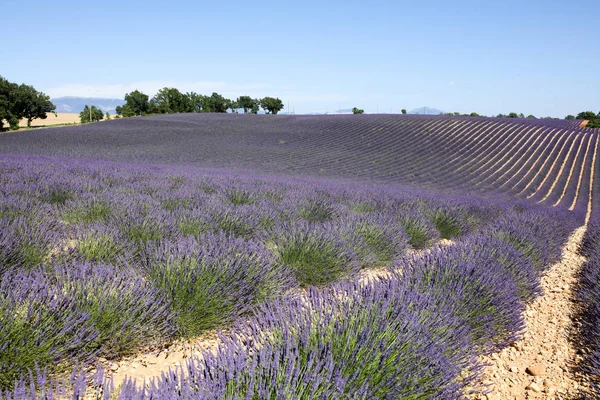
(58, 119)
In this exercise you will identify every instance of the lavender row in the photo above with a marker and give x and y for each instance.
(131, 257)
(416, 333)
(453, 153)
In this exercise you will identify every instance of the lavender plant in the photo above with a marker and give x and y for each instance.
(211, 282)
(316, 253)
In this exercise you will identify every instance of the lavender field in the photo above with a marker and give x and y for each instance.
(370, 256)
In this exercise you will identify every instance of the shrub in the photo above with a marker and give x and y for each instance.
(315, 253)
(421, 234)
(214, 280)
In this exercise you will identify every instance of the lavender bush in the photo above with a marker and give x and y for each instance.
(211, 282)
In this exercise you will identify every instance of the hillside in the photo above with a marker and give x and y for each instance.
(546, 160)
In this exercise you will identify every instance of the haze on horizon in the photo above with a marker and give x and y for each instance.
(465, 56)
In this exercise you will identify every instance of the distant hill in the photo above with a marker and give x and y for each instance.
(77, 104)
(426, 111)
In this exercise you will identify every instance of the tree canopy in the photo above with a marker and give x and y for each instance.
(357, 111)
(136, 103)
(92, 114)
(271, 105)
(22, 101)
(249, 104)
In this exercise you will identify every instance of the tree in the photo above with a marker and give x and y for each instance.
(474, 114)
(403, 111)
(521, 115)
(107, 116)
(530, 116)
(588, 115)
(570, 116)
(92, 114)
(512, 115)
(271, 105)
(216, 103)
(197, 102)
(137, 103)
(22, 101)
(4, 101)
(30, 104)
(357, 111)
(255, 107)
(168, 101)
(248, 104)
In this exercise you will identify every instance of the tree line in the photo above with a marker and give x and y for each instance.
(22, 101)
(171, 100)
(593, 119)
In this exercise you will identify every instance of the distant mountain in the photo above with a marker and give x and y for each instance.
(77, 104)
(426, 111)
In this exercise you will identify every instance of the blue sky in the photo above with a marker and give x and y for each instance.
(535, 57)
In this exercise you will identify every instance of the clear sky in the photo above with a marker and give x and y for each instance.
(530, 56)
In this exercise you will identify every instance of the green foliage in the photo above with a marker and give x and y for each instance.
(357, 111)
(419, 233)
(169, 101)
(314, 259)
(59, 195)
(316, 211)
(95, 247)
(144, 232)
(271, 105)
(86, 213)
(136, 104)
(403, 111)
(239, 197)
(377, 248)
(570, 117)
(22, 101)
(25, 353)
(92, 114)
(216, 103)
(363, 208)
(194, 227)
(448, 226)
(587, 115)
(530, 116)
(249, 104)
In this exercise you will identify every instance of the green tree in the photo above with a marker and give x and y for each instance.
(588, 115)
(107, 116)
(530, 116)
(513, 115)
(5, 91)
(92, 114)
(271, 105)
(570, 116)
(22, 101)
(197, 102)
(357, 111)
(248, 104)
(169, 101)
(403, 111)
(217, 103)
(31, 104)
(474, 114)
(233, 106)
(137, 103)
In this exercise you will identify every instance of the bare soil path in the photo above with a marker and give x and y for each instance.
(542, 365)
